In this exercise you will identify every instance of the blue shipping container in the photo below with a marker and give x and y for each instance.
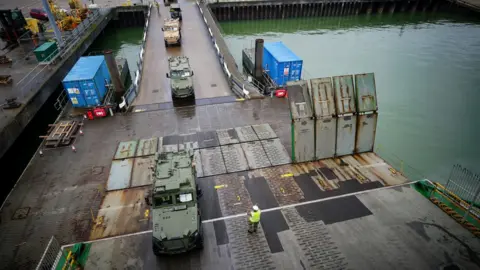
(86, 82)
(281, 64)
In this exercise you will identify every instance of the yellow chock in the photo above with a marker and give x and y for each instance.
(287, 175)
(220, 186)
(240, 99)
(147, 213)
(282, 190)
(238, 198)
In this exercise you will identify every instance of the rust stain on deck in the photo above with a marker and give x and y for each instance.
(121, 212)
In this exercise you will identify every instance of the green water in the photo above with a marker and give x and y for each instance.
(427, 71)
(124, 42)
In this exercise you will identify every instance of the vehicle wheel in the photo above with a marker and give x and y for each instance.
(200, 243)
(156, 252)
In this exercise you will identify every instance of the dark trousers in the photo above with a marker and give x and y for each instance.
(252, 226)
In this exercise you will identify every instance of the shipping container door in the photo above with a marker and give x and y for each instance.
(295, 71)
(284, 73)
(325, 137)
(366, 128)
(90, 93)
(75, 95)
(303, 140)
(346, 127)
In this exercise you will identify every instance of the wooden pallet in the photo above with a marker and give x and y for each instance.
(61, 134)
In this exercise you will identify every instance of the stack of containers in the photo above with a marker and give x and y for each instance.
(86, 83)
(366, 100)
(346, 114)
(302, 122)
(325, 117)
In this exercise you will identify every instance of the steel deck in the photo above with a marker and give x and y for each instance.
(391, 228)
(62, 189)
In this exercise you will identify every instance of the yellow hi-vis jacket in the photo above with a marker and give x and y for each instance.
(255, 216)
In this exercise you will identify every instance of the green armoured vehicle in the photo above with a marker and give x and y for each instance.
(176, 218)
(181, 77)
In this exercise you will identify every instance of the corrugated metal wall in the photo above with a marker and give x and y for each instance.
(325, 123)
(303, 124)
(366, 100)
(346, 118)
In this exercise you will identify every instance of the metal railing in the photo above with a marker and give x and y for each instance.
(134, 88)
(464, 185)
(51, 256)
(39, 74)
(240, 86)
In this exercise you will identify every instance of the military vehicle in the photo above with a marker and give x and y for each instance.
(171, 32)
(181, 77)
(177, 225)
(175, 11)
(168, 2)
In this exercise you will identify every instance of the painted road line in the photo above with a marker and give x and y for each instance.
(310, 202)
(109, 238)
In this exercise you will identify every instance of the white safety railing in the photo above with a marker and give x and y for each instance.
(51, 256)
(132, 92)
(237, 85)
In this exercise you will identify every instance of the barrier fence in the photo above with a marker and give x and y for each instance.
(52, 255)
(132, 92)
(465, 185)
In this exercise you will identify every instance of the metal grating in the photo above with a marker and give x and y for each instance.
(227, 136)
(246, 134)
(256, 156)
(264, 131)
(234, 157)
(276, 152)
(212, 161)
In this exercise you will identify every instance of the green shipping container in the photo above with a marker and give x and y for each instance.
(46, 51)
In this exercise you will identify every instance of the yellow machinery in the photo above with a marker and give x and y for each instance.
(75, 4)
(68, 21)
(32, 25)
